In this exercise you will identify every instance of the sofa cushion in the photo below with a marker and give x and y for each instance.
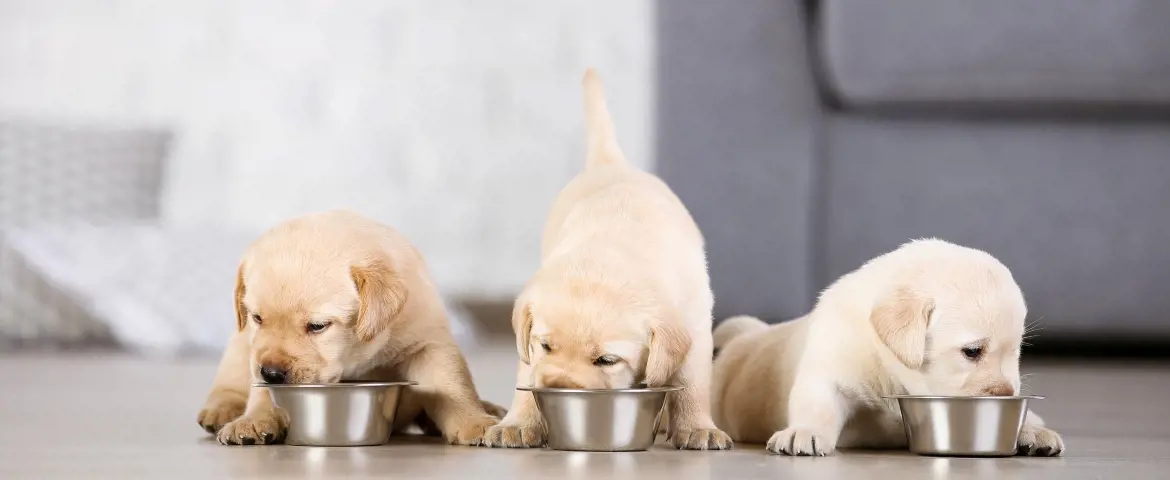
(1018, 52)
(1077, 210)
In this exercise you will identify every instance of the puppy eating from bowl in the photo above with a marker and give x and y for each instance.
(331, 297)
(930, 318)
(622, 296)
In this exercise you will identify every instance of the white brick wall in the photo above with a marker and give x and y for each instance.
(456, 121)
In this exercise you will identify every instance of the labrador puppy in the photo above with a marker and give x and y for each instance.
(621, 298)
(333, 297)
(930, 318)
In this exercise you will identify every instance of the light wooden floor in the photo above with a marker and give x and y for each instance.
(117, 417)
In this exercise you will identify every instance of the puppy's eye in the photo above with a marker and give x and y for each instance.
(606, 360)
(257, 319)
(547, 349)
(973, 353)
(314, 327)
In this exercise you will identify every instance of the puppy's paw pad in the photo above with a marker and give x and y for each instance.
(800, 442)
(219, 412)
(259, 429)
(471, 430)
(514, 436)
(701, 439)
(1039, 442)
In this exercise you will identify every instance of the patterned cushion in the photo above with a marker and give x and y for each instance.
(50, 174)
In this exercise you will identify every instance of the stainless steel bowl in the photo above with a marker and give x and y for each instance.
(963, 426)
(338, 414)
(620, 420)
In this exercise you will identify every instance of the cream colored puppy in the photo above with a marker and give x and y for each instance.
(930, 318)
(330, 297)
(621, 298)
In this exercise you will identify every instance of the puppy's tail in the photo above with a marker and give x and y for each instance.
(602, 147)
(736, 326)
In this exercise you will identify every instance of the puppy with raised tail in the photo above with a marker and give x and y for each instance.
(621, 298)
(930, 318)
(330, 297)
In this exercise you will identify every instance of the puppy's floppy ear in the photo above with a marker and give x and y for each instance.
(900, 320)
(241, 312)
(522, 325)
(669, 345)
(382, 295)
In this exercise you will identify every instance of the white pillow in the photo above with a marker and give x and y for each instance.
(158, 291)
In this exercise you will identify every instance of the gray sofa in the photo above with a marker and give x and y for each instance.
(807, 137)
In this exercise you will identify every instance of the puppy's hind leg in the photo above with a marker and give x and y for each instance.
(229, 391)
(493, 409)
(690, 424)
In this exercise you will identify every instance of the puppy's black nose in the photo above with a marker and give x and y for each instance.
(272, 375)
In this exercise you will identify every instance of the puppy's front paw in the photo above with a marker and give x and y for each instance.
(1040, 442)
(801, 442)
(470, 430)
(262, 428)
(701, 439)
(219, 410)
(514, 435)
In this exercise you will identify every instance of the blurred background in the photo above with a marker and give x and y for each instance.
(144, 143)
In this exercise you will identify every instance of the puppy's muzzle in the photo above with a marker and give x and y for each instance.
(273, 375)
(1001, 390)
(559, 381)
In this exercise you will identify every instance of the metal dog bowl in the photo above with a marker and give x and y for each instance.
(619, 420)
(338, 414)
(963, 426)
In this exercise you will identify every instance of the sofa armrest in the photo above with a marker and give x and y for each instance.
(738, 112)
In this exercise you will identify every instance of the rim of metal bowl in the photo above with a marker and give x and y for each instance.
(600, 390)
(944, 397)
(336, 385)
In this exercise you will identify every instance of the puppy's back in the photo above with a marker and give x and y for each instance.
(620, 201)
